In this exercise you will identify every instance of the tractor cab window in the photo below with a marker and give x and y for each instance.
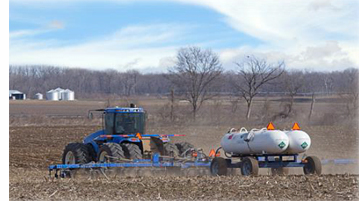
(129, 123)
(109, 120)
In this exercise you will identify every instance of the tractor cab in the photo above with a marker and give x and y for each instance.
(124, 120)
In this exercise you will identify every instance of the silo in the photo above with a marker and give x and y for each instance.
(60, 92)
(39, 96)
(68, 95)
(52, 95)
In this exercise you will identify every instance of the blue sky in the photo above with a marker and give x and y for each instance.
(145, 35)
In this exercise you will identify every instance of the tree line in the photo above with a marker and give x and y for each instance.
(197, 76)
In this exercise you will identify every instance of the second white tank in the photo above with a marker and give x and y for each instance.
(299, 141)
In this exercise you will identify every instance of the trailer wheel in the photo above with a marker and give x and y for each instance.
(280, 171)
(313, 165)
(170, 150)
(113, 150)
(218, 166)
(76, 153)
(132, 151)
(183, 147)
(249, 166)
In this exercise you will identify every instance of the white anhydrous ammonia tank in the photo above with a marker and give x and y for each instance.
(255, 142)
(299, 141)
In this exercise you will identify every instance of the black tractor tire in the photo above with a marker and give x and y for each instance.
(170, 150)
(249, 166)
(218, 166)
(76, 153)
(113, 150)
(280, 171)
(313, 165)
(132, 151)
(184, 146)
(92, 152)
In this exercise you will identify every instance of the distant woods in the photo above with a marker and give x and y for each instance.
(197, 76)
(90, 83)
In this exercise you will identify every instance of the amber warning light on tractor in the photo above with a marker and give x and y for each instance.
(270, 126)
(138, 135)
(295, 126)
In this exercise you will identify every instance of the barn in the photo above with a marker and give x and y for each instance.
(16, 95)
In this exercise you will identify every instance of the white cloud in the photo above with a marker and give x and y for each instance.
(326, 57)
(51, 26)
(316, 34)
(131, 47)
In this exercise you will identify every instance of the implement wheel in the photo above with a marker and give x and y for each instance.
(132, 151)
(218, 166)
(76, 153)
(313, 165)
(249, 166)
(110, 152)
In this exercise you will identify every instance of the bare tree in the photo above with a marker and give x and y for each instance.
(349, 90)
(292, 82)
(195, 74)
(129, 81)
(252, 74)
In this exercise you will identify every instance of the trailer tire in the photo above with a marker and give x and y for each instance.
(76, 153)
(313, 165)
(249, 166)
(110, 149)
(170, 149)
(184, 146)
(280, 171)
(132, 151)
(218, 166)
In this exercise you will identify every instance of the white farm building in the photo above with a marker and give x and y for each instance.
(39, 96)
(60, 94)
(16, 95)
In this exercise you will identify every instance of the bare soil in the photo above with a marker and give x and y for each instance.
(39, 134)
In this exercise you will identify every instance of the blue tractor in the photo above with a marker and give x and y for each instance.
(122, 138)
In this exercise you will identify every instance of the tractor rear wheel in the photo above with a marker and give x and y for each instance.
(76, 153)
(170, 150)
(313, 165)
(132, 151)
(183, 147)
(218, 166)
(249, 166)
(110, 152)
